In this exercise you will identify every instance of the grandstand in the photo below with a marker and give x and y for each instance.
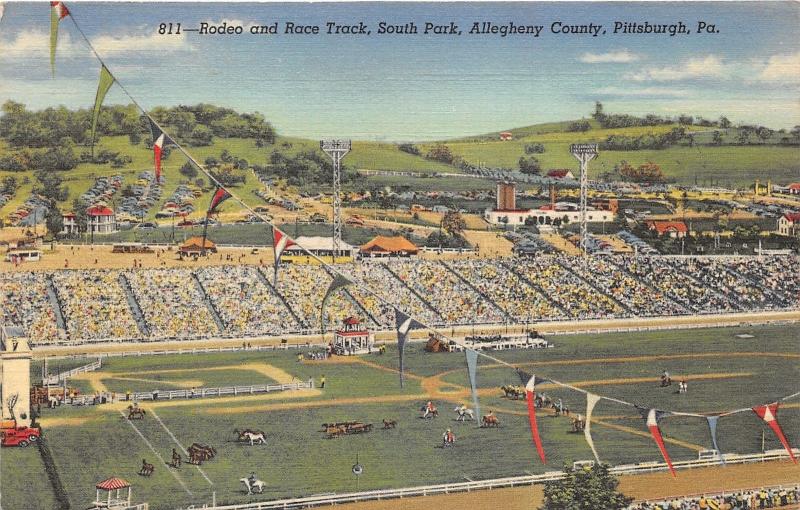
(241, 301)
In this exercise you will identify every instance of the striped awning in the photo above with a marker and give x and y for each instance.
(113, 484)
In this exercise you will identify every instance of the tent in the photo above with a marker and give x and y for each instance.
(383, 246)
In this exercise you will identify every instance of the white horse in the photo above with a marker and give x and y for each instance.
(256, 487)
(464, 413)
(255, 437)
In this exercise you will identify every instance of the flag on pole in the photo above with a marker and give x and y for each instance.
(530, 382)
(472, 368)
(591, 401)
(404, 325)
(219, 196)
(58, 11)
(769, 413)
(338, 282)
(652, 417)
(712, 428)
(106, 80)
(280, 242)
(160, 141)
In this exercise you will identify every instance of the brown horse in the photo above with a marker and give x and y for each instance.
(147, 469)
(389, 424)
(490, 420)
(135, 413)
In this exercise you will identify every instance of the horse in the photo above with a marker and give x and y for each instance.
(256, 487)
(490, 420)
(53, 402)
(135, 413)
(514, 392)
(433, 413)
(666, 380)
(176, 459)
(578, 424)
(389, 424)
(254, 436)
(198, 453)
(463, 413)
(147, 469)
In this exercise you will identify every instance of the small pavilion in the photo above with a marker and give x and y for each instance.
(117, 494)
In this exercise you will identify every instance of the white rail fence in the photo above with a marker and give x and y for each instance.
(191, 393)
(430, 490)
(61, 376)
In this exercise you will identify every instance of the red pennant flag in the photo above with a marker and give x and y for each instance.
(653, 416)
(530, 395)
(60, 9)
(769, 413)
(280, 242)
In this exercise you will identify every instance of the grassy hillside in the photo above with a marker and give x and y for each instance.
(728, 164)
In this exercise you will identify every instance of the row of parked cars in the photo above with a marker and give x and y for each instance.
(180, 202)
(31, 212)
(636, 242)
(146, 192)
(102, 191)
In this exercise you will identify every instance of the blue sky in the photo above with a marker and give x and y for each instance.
(417, 87)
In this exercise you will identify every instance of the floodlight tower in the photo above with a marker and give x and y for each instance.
(336, 149)
(584, 152)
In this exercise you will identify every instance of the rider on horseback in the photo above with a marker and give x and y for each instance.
(429, 409)
(252, 478)
(448, 438)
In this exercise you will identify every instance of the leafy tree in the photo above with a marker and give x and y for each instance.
(441, 153)
(409, 148)
(717, 138)
(54, 221)
(188, 170)
(530, 165)
(453, 223)
(585, 489)
(8, 185)
(724, 123)
(580, 125)
(534, 148)
(201, 136)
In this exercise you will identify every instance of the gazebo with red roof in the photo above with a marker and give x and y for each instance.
(114, 499)
(353, 338)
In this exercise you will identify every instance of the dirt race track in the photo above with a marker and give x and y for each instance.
(649, 486)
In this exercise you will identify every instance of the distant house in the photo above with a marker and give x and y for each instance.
(675, 229)
(789, 224)
(506, 135)
(101, 220)
(383, 246)
(70, 225)
(794, 188)
(560, 173)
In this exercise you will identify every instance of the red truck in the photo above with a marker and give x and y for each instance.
(19, 436)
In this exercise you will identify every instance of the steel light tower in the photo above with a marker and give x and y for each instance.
(584, 152)
(336, 149)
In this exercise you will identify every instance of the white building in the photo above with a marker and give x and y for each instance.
(101, 220)
(546, 216)
(789, 224)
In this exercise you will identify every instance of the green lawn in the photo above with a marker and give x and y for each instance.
(299, 461)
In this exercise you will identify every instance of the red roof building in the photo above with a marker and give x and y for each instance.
(561, 173)
(670, 228)
(114, 497)
(101, 220)
(353, 338)
(789, 224)
(506, 135)
(794, 188)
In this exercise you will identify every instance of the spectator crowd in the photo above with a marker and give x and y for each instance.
(243, 301)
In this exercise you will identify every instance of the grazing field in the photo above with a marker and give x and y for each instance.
(723, 372)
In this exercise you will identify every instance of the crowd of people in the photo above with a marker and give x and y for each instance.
(767, 497)
(456, 301)
(506, 289)
(241, 300)
(245, 303)
(94, 305)
(572, 294)
(172, 303)
(25, 304)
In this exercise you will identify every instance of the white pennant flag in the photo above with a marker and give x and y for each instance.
(591, 401)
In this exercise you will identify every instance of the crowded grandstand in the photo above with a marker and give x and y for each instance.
(234, 301)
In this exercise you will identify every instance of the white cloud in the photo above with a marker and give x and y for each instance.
(781, 68)
(611, 57)
(35, 43)
(114, 45)
(709, 66)
(645, 92)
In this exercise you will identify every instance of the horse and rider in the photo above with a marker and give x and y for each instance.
(429, 410)
(490, 420)
(176, 459)
(464, 412)
(253, 484)
(666, 380)
(448, 439)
